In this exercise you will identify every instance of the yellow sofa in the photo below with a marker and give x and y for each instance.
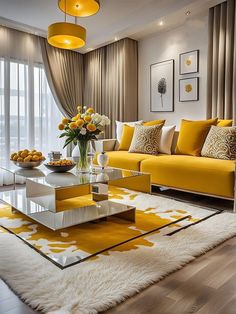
(200, 175)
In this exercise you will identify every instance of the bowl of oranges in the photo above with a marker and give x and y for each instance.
(27, 158)
(62, 165)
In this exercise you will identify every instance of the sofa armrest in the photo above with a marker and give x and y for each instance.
(105, 145)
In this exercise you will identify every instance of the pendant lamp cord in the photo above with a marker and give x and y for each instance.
(65, 10)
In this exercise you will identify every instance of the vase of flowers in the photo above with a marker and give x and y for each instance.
(80, 130)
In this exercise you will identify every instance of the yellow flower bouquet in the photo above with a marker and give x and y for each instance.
(81, 129)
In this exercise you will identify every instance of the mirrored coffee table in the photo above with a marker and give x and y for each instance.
(61, 200)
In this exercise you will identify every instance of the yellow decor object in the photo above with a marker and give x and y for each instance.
(79, 8)
(66, 35)
(27, 156)
(196, 174)
(154, 122)
(224, 122)
(61, 162)
(188, 88)
(188, 62)
(192, 136)
(126, 137)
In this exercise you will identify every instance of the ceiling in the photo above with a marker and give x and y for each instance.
(115, 20)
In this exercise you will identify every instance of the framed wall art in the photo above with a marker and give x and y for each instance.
(189, 89)
(189, 62)
(162, 86)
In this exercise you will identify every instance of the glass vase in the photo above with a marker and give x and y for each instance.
(83, 165)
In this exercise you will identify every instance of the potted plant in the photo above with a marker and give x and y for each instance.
(80, 130)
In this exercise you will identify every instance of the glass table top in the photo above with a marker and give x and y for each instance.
(64, 219)
(44, 176)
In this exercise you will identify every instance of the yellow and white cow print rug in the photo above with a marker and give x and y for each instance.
(75, 244)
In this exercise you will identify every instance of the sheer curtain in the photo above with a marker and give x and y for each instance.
(28, 113)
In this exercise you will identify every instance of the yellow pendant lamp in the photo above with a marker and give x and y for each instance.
(66, 35)
(79, 8)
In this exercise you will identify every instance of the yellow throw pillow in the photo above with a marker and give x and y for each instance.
(224, 122)
(126, 137)
(192, 136)
(154, 122)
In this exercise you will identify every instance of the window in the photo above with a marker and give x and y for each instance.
(28, 113)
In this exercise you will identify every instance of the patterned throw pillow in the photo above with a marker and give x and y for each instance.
(146, 139)
(220, 143)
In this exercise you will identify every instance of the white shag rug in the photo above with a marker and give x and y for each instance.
(88, 288)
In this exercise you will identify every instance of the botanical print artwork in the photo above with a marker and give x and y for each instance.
(162, 86)
(189, 62)
(189, 89)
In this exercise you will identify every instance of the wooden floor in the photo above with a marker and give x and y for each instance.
(205, 286)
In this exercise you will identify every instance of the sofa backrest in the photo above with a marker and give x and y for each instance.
(174, 142)
(173, 146)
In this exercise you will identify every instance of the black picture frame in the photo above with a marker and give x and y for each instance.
(180, 63)
(173, 86)
(186, 79)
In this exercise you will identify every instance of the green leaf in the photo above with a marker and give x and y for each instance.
(68, 141)
(63, 134)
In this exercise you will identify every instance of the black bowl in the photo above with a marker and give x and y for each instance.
(59, 168)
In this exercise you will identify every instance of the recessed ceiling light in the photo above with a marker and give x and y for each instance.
(161, 23)
(116, 38)
(187, 13)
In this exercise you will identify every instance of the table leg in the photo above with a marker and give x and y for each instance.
(128, 215)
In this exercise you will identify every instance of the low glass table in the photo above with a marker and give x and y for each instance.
(61, 200)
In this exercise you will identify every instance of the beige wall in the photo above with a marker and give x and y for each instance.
(168, 45)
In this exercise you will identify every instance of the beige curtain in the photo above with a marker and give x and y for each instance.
(94, 75)
(111, 81)
(64, 70)
(221, 96)
(19, 45)
(121, 90)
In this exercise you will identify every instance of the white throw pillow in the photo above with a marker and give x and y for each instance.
(167, 134)
(119, 127)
